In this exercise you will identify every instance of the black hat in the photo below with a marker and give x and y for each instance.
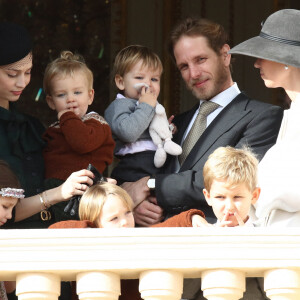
(15, 43)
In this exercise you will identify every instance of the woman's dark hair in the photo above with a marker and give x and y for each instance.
(8, 177)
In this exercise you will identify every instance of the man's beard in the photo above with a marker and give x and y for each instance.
(207, 93)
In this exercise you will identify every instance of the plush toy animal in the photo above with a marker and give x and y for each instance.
(161, 135)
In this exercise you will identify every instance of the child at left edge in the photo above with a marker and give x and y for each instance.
(10, 194)
(77, 138)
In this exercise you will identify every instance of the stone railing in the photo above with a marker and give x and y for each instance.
(160, 257)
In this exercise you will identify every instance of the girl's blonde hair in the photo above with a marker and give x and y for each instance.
(131, 55)
(235, 166)
(93, 199)
(66, 65)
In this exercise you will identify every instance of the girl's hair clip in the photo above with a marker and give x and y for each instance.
(12, 192)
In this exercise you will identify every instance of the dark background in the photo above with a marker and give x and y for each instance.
(98, 29)
(78, 25)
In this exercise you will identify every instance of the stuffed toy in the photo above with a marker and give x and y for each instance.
(161, 133)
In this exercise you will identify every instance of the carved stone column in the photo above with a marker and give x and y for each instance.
(282, 284)
(223, 284)
(158, 285)
(37, 286)
(98, 286)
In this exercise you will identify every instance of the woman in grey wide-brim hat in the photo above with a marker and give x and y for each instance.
(277, 49)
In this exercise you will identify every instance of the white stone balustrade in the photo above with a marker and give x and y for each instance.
(161, 257)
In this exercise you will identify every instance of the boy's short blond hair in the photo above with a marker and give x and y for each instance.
(66, 65)
(93, 199)
(235, 166)
(131, 55)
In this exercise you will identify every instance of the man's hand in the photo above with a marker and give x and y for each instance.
(137, 190)
(147, 213)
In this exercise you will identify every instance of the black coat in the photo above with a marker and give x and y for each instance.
(244, 121)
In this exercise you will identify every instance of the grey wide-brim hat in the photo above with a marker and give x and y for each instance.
(279, 39)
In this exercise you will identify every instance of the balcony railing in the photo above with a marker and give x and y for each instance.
(160, 257)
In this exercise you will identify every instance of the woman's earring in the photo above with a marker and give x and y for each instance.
(286, 67)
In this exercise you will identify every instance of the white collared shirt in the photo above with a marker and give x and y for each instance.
(223, 99)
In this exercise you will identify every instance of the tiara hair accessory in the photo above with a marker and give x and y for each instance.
(11, 192)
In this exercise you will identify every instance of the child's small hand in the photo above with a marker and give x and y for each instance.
(225, 222)
(147, 96)
(172, 126)
(198, 221)
(171, 119)
(111, 180)
(239, 219)
(61, 113)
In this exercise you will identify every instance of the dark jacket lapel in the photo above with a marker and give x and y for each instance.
(227, 118)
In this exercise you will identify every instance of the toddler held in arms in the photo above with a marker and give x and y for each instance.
(139, 123)
(78, 138)
(230, 181)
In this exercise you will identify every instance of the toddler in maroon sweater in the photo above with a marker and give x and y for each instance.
(77, 138)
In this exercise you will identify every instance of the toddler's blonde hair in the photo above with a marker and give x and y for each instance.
(131, 55)
(66, 65)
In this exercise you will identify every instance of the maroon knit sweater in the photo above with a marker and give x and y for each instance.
(74, 143)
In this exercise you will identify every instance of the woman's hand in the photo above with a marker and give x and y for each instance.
(76, 184)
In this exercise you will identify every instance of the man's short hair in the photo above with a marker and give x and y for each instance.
(192, 27)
